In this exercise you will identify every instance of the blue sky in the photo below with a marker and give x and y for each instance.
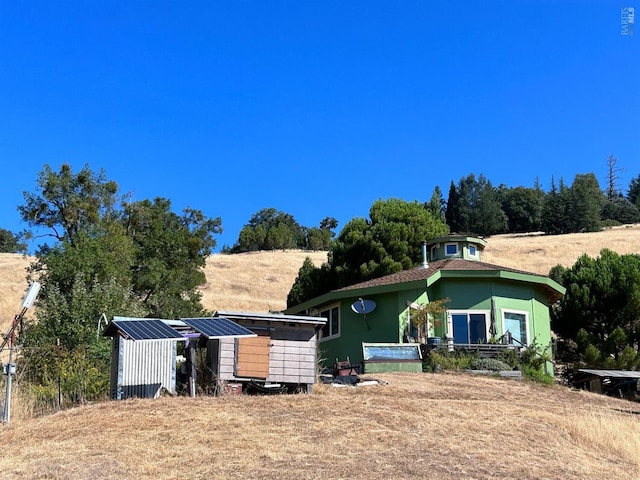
(315, 108)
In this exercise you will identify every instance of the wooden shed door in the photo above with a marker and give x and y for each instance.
(253, 356)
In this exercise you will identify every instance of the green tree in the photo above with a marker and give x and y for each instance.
(310, 282)
(67, 203)
(142, 260)
(603, 299)
(390, 241)
(586, 204)
(474, 207)
(633, 194)
(169, 256)
(10, 242)
(270, 229)
(620, 210)
(523, 208)
(555, 210)
(436, 205)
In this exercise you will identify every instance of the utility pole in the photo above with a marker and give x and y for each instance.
(10, 339)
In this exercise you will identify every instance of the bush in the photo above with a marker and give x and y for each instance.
(492, 364)
(536, 375)
(444, 360)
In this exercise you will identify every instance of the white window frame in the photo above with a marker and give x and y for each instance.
(330, 322)
(517, 312)
(475, 252)
(451, 313)
(447, 254)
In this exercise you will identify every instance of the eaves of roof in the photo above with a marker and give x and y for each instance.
(427, 276)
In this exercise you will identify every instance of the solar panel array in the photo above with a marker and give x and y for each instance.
(147, 330)
(218, 327)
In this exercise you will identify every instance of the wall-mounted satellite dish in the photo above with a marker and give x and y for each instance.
(363, 307)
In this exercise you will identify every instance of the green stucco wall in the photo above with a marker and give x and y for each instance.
(385, 324)
(388, 321)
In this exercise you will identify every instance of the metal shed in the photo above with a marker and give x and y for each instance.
(282, 356)
(143, 357)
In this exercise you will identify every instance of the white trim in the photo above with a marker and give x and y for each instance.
(330, 322)
(517, 312)
(474, 254)
(451, 254)
(487, 320)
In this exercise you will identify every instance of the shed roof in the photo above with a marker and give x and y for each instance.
(273, 317)
(610, 373)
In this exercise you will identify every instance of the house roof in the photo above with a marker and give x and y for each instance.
(432, 273)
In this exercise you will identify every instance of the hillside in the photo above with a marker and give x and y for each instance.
(260, 281)
(441, 426)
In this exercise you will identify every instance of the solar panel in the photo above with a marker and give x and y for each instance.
(147, 330)
(218, 327)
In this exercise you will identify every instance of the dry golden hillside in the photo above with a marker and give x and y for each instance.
(417, 425)
(260, 281)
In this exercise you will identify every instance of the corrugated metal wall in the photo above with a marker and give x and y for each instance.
(142, 368)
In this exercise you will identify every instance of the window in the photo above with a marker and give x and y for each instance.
(473, 251)
(434, 252)
(517, 323)
(331, 329)
(469, 326)
(451, 249)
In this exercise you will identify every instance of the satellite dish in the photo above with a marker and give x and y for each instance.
(363, 306)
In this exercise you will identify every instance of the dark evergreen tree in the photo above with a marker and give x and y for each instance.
(586, 204)
(600, 307)
(523, 208)
(437, 205)
(633, 195)
(452, 214)
(474, 207)
(555, 210)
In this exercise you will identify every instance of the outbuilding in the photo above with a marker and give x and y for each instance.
(264, 352)
(281, 357)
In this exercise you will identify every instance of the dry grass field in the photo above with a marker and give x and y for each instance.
(439, 426)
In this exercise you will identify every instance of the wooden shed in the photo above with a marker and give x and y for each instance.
(282, 356)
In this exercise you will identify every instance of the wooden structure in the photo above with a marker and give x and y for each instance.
(282, 357)
(616, 383)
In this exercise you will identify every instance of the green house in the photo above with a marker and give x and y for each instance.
(486, 303)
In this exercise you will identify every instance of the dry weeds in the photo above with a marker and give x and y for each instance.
(441, 426)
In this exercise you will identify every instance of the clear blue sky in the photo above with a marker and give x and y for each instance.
(315, 108)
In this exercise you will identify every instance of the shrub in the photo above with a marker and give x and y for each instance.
(492, 364)
(444, 360)
(536, 375)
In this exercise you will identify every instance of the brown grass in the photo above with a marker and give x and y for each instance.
(442, 426)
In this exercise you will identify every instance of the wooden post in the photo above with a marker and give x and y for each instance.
(191, 367)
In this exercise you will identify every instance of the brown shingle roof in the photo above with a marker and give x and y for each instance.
(420, 273)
